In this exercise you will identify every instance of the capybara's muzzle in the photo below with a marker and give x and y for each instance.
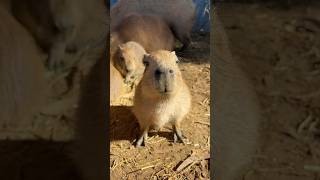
(164, 80)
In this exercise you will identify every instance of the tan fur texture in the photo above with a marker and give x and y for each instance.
(179, 14)
(236, 112)
(116, 84)
(150, 31)
(22, 75)
(154, 106)
(128, 61)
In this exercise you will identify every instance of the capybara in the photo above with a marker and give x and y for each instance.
(236, 112)
(179, 14)
(161, 96)
(22, 75)
(151, 32)
(116, 84)
(61, 25)
(128, 60)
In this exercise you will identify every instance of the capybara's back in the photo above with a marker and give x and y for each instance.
(152, 32)
(22, 77)
(179, 14)
(236, 113)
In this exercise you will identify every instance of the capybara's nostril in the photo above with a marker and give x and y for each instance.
(158, 72)
(131, 77)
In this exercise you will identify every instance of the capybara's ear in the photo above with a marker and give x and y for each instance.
(173, 52)
(177, 60)
(146, 59)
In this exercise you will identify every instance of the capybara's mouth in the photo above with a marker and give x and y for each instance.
(165, 91)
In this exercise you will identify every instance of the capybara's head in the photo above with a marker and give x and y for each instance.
(162, 75)
(129, 61)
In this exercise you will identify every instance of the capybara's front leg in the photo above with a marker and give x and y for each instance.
(177, 133)
(141, 141)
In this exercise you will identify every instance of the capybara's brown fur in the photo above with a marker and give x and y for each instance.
(128, 61)
(150, 31)
(162, 96)
(236, 112)
(22, 75)
(179, 14)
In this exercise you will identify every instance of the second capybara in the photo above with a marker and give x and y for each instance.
(128, 61)
(178, 14)
(161, 96)
(116, 83)
(22, 74)
(151, 32)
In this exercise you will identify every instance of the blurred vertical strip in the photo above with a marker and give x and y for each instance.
(202, 23)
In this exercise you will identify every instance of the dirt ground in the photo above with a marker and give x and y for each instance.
(279, 49)
(161, 158)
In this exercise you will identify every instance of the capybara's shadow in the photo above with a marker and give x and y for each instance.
(123, 124)
(36, 160)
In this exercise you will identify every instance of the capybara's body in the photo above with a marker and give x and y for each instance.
(162, 95)
(116, 83)
(128, 61)
(22, 75)
(236, 112)
(152, 32)
(178, 14)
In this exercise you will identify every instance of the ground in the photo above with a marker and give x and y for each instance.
(278, 48)
(161, 158)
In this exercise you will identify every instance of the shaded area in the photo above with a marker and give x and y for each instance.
(36, 160)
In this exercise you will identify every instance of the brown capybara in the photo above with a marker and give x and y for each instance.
(128, 61)
(22, 75)
(61, 25)
(236, 112)
(178, 14)
(151, 32)
(161, 96)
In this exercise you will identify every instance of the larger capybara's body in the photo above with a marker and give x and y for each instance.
(22, 75)
(179, 14)
(152, 32)
(161, 96)
(236, 112)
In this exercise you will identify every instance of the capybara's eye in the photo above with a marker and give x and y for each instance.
(121, 58)
(171, 71)
(146, 63)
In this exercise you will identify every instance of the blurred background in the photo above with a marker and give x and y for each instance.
(277, 44)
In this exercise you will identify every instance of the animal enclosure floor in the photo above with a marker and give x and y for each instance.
(279, 49)
(161, 158)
